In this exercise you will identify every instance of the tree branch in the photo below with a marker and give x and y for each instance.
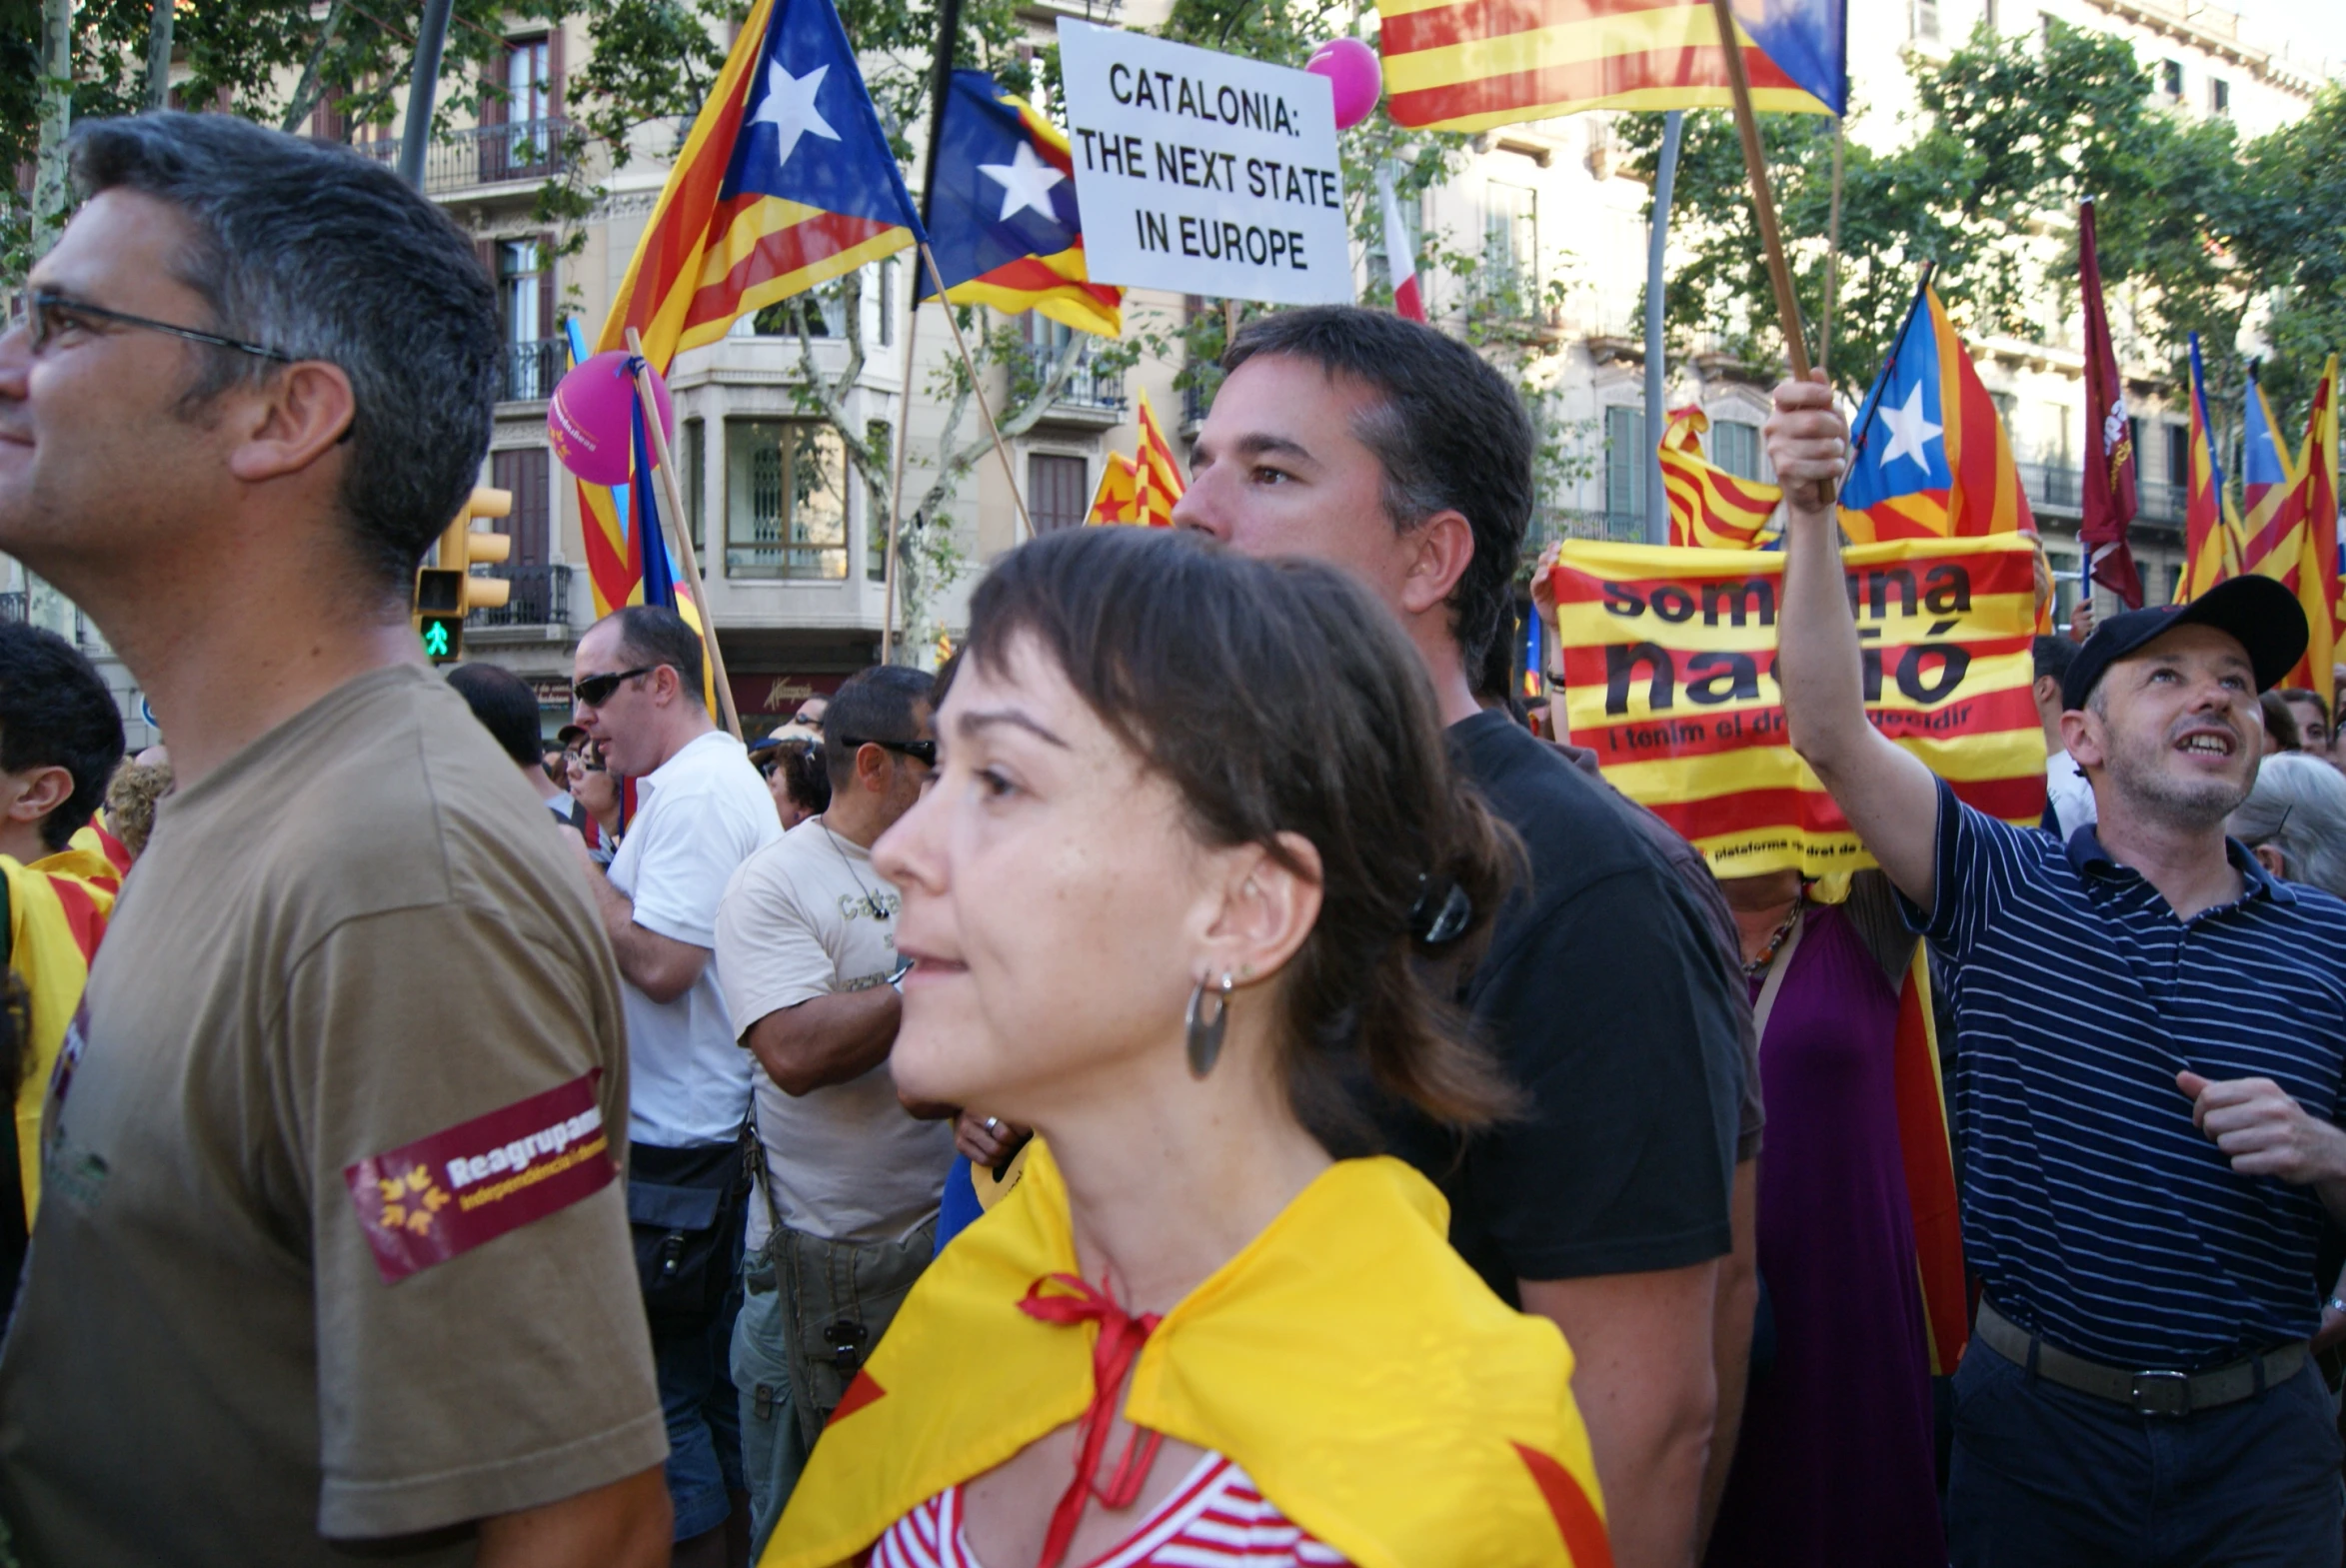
(306, 92)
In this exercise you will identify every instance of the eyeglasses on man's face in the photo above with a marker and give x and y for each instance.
(45, 312)
(594, 691)
(922, 751)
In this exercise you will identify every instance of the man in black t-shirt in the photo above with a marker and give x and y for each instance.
(1381, 446)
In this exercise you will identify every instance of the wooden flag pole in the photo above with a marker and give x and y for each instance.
(1764, 207)
(895, 489)
(683, 534)
(1833, 262)
(978, 390)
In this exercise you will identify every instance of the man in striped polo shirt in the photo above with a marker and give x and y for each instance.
(2150, 1034)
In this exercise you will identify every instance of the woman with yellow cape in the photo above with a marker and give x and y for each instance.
(1190, 838)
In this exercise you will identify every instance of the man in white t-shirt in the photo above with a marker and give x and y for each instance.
(2068, 797)
(847, 1215)
(701, 811)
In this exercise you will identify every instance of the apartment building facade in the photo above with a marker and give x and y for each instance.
(794, 551)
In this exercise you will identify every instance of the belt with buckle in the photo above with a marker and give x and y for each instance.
(2144, 1392)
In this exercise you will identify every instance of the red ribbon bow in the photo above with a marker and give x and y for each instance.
(1121, 1337)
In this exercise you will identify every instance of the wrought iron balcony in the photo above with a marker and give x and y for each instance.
(1088, 385)
(2055, 484)
(533, 369)
(541, 598)
(525, 150)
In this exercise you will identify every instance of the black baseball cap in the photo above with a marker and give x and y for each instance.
(2258, 612)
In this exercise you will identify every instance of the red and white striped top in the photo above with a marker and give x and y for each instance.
(1213, 1519)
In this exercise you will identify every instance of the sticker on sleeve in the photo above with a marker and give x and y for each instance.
(431, 1199)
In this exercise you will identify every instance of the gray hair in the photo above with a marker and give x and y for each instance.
(2299, 807)
(323, 255)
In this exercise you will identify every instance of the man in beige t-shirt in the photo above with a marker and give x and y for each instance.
(330, 1257)
(806, 948)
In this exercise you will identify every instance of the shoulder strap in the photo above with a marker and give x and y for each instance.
(1775, 978)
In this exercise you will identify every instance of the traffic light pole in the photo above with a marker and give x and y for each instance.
(423, 85)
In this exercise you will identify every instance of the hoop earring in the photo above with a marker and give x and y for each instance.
(1206, 1034)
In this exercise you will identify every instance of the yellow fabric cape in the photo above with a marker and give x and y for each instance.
(1365, 1379)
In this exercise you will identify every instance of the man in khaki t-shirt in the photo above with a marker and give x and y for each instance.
(331, 1259)
(358, 936)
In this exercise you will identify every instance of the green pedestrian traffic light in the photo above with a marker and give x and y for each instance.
(447, 591)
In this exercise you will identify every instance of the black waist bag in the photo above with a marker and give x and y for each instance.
(685, 1211)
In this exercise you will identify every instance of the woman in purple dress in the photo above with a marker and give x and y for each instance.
(1835, 1466)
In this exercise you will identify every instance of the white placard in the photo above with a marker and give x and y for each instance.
(1203, 173)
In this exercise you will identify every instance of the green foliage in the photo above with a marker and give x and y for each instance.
(2199, 231)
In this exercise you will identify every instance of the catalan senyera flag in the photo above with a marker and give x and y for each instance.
(1114, 501)
(1159, 482)
(2271, 507)
(2317, 568)
(1710, 508)
(58, 907)
(2211, 528)
(1929, 457)
(1004, 224)
(1926, 1154)
(1283, 1361)
(784, 182)
(1468, 65)
(1666, 655)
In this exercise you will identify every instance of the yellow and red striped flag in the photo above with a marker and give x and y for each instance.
(1710, 508)
(1666, 657)
(57, 913)
(1468, 65)
(1159, 475)
(784, 182)
(1929, 457)
(2270, 502)
(2211, 527)
(1113, 502)
(2316, 577)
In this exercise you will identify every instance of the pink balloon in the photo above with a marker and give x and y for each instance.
(587, 419)
(1351, 69)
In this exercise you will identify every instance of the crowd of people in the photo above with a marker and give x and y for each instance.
(1199, 1080)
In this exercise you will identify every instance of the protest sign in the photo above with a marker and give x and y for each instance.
(1669, 672)
(1203, 173)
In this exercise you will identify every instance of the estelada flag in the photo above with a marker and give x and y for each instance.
(2316, 578)
(1667, 658)
(1468, 65)
(1003, 225)
(2211, 527)
(1114, 500)
(1288, 1360)
(2270, 503)
(784, 182)
(58, 907)
(660, 584)
(1710, 508)
(1929, 457)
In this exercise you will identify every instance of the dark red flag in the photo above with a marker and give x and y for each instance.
(2109, 439)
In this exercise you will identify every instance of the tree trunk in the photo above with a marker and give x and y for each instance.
(56, 120)
(159, 53)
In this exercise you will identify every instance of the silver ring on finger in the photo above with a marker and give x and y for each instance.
(994, 1123)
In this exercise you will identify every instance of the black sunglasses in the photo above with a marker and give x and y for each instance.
(594, 691)
(924, 751)
(45, 312)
